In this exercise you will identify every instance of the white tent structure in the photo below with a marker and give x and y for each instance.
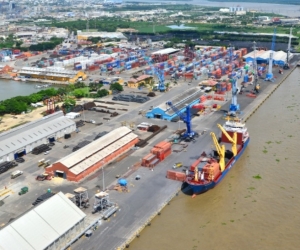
(262, 56)
(50, 225)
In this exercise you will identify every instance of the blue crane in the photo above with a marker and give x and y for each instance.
(161, 79)
(269, 76)
(186, 118)
(234, 106)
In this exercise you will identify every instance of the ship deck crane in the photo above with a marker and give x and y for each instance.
(286, 65)
(189, 133)
(233, 139)
(220, 150)
(270, 76)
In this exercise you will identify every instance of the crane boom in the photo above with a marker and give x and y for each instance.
(233, 139)
(220, 150)
(185, 118)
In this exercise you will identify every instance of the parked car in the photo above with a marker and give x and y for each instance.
(20, 160)
(47, 152)
(177, 165)
(24, 190)
(42, 177)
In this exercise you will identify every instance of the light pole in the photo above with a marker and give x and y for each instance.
(83, 111)
(103, 183)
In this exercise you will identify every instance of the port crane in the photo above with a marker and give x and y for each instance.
(232, 139)
(220, 150)
(189, 133)
(269, 76)
(234, 106)
(161, 78)
(286, 65)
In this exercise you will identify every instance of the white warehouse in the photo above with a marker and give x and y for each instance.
(23, 139)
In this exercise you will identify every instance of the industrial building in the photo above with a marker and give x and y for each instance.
(22, 139)
(93, 156)
(85, 35)
(167, 51)
(143, 80)
(165, 112)
(51, 225)
(262, 56)
(52, 73)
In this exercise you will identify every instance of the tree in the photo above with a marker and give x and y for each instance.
(116, 86)
(79, 93)
(102, 92)
(79, 85)
(68, 102)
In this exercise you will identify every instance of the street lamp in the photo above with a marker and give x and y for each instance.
(103, 183)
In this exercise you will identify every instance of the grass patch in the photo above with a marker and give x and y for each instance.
(258, 177)
(223, 223)
(231, 220)
(268, 142)
(278, 142)
(265, 151)
(277, 160)
(251, 188)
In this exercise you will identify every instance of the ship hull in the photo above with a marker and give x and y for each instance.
(201, 188)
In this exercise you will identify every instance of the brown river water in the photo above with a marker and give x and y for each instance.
(244, 212)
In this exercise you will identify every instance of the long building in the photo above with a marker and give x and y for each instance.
(50, 226)
(93, 156)
(165, 112)
(21, 140)
(52, 73)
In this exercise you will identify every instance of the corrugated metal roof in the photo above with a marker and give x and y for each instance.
(71, 160)
(82, 166)
(165, 51)
(19, 137)
(41, 226)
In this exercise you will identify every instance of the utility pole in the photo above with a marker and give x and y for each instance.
(255, 65)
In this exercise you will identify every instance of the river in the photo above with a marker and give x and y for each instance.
(282, 9)
(243, 212)
(9, 88)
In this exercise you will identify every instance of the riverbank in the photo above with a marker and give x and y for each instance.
(153, 192)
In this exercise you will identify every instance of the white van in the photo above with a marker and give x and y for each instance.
(16, 173)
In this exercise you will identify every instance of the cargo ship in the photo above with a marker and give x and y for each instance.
(208, 170)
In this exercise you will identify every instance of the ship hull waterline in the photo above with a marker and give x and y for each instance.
(202, 188)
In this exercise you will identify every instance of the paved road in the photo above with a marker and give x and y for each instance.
(137, 205)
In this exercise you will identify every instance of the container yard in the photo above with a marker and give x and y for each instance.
(123, 147)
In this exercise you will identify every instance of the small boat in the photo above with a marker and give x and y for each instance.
(298, 64)
(17, 79)
(23, 79)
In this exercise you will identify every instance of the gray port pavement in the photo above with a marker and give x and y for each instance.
(146, 195)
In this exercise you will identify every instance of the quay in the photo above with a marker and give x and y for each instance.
(153, 192)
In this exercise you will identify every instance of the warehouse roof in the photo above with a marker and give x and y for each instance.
(82, 166)
(165, 51)
(41, 226)
(82, 154)
(257, 54)
(181, 100)
(18, 138)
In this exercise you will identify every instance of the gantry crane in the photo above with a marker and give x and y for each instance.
(269, 76)
(220, 150)
(286, 65)
(189, 133)
(234, 106)
(233, 139)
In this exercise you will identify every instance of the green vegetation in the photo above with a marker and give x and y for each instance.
(258, 177)
(102, 93)
(19, 104)
(54, 41)
(116, 86)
